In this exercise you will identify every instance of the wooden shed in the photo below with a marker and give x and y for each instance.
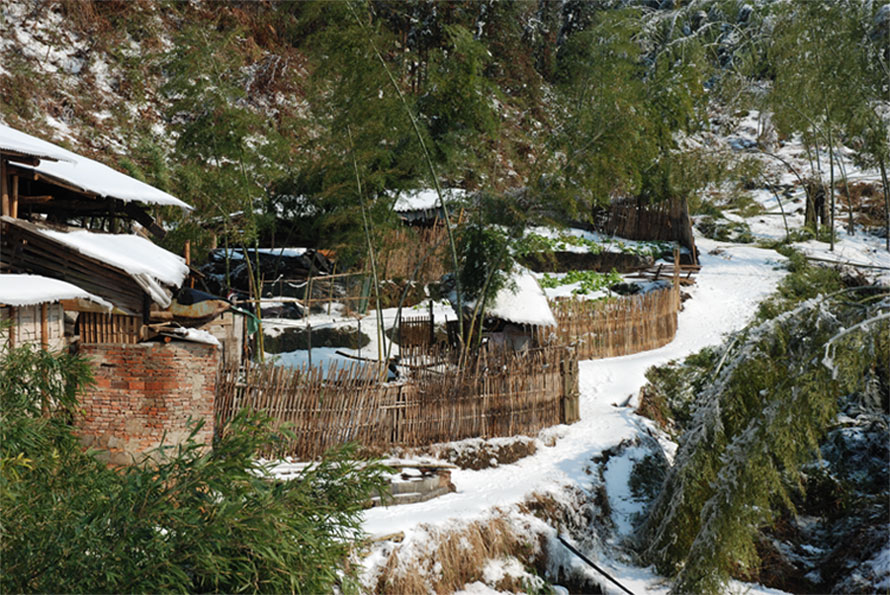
(516, 315)
(422, 207)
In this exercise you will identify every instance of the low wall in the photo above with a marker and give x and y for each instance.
(146, 393)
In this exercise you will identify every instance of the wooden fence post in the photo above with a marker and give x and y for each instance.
(569, 410)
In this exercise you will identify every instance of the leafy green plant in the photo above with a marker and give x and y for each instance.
(589, 281)
(534, 243)
(193, 519)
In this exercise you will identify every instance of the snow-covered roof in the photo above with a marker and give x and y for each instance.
(522, 301)
(83, 173)
(28, 290)
(26, 146)
(426, 199)
(192, 335)
(147, 263)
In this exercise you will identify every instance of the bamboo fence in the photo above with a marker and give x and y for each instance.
(416, 331)
(408, 248)
(498, 396)
(663, 221)
(596, 329)
(612, 328)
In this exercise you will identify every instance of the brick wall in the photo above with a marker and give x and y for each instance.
(143, 391)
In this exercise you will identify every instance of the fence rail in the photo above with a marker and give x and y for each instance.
(498, 396)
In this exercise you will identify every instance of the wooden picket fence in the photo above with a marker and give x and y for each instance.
(611, 328)
(416, 331)
(498, 395)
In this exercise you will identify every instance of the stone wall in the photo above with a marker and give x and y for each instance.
(27, 325)
(145, 391)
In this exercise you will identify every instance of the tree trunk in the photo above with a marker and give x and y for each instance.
(831, 188)
(851, 225)
(886, 200)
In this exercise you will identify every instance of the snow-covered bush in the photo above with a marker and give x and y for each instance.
(758, 418)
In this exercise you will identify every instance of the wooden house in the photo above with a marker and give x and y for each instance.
(70, 218)
(72, 221)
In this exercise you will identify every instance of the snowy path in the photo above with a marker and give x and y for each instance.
(730, 286)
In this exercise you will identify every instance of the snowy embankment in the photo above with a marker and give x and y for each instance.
(733, 280)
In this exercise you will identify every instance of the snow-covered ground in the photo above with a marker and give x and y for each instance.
(733, 280)
(866, 250)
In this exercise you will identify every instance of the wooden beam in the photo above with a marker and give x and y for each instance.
(4, 194)
(39, 199)
(140, 215)
(12, 326)
(22, 172)
(44, 327)
(14, 210)
(20, 158)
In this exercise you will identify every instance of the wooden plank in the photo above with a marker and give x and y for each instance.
(14, 203)
(13, 326)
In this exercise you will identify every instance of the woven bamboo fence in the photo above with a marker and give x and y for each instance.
(663, 221)
(612, 328)
(408, 248)
(515, 394)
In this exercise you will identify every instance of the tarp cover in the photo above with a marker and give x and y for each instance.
(28, 290)
(83, 173)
